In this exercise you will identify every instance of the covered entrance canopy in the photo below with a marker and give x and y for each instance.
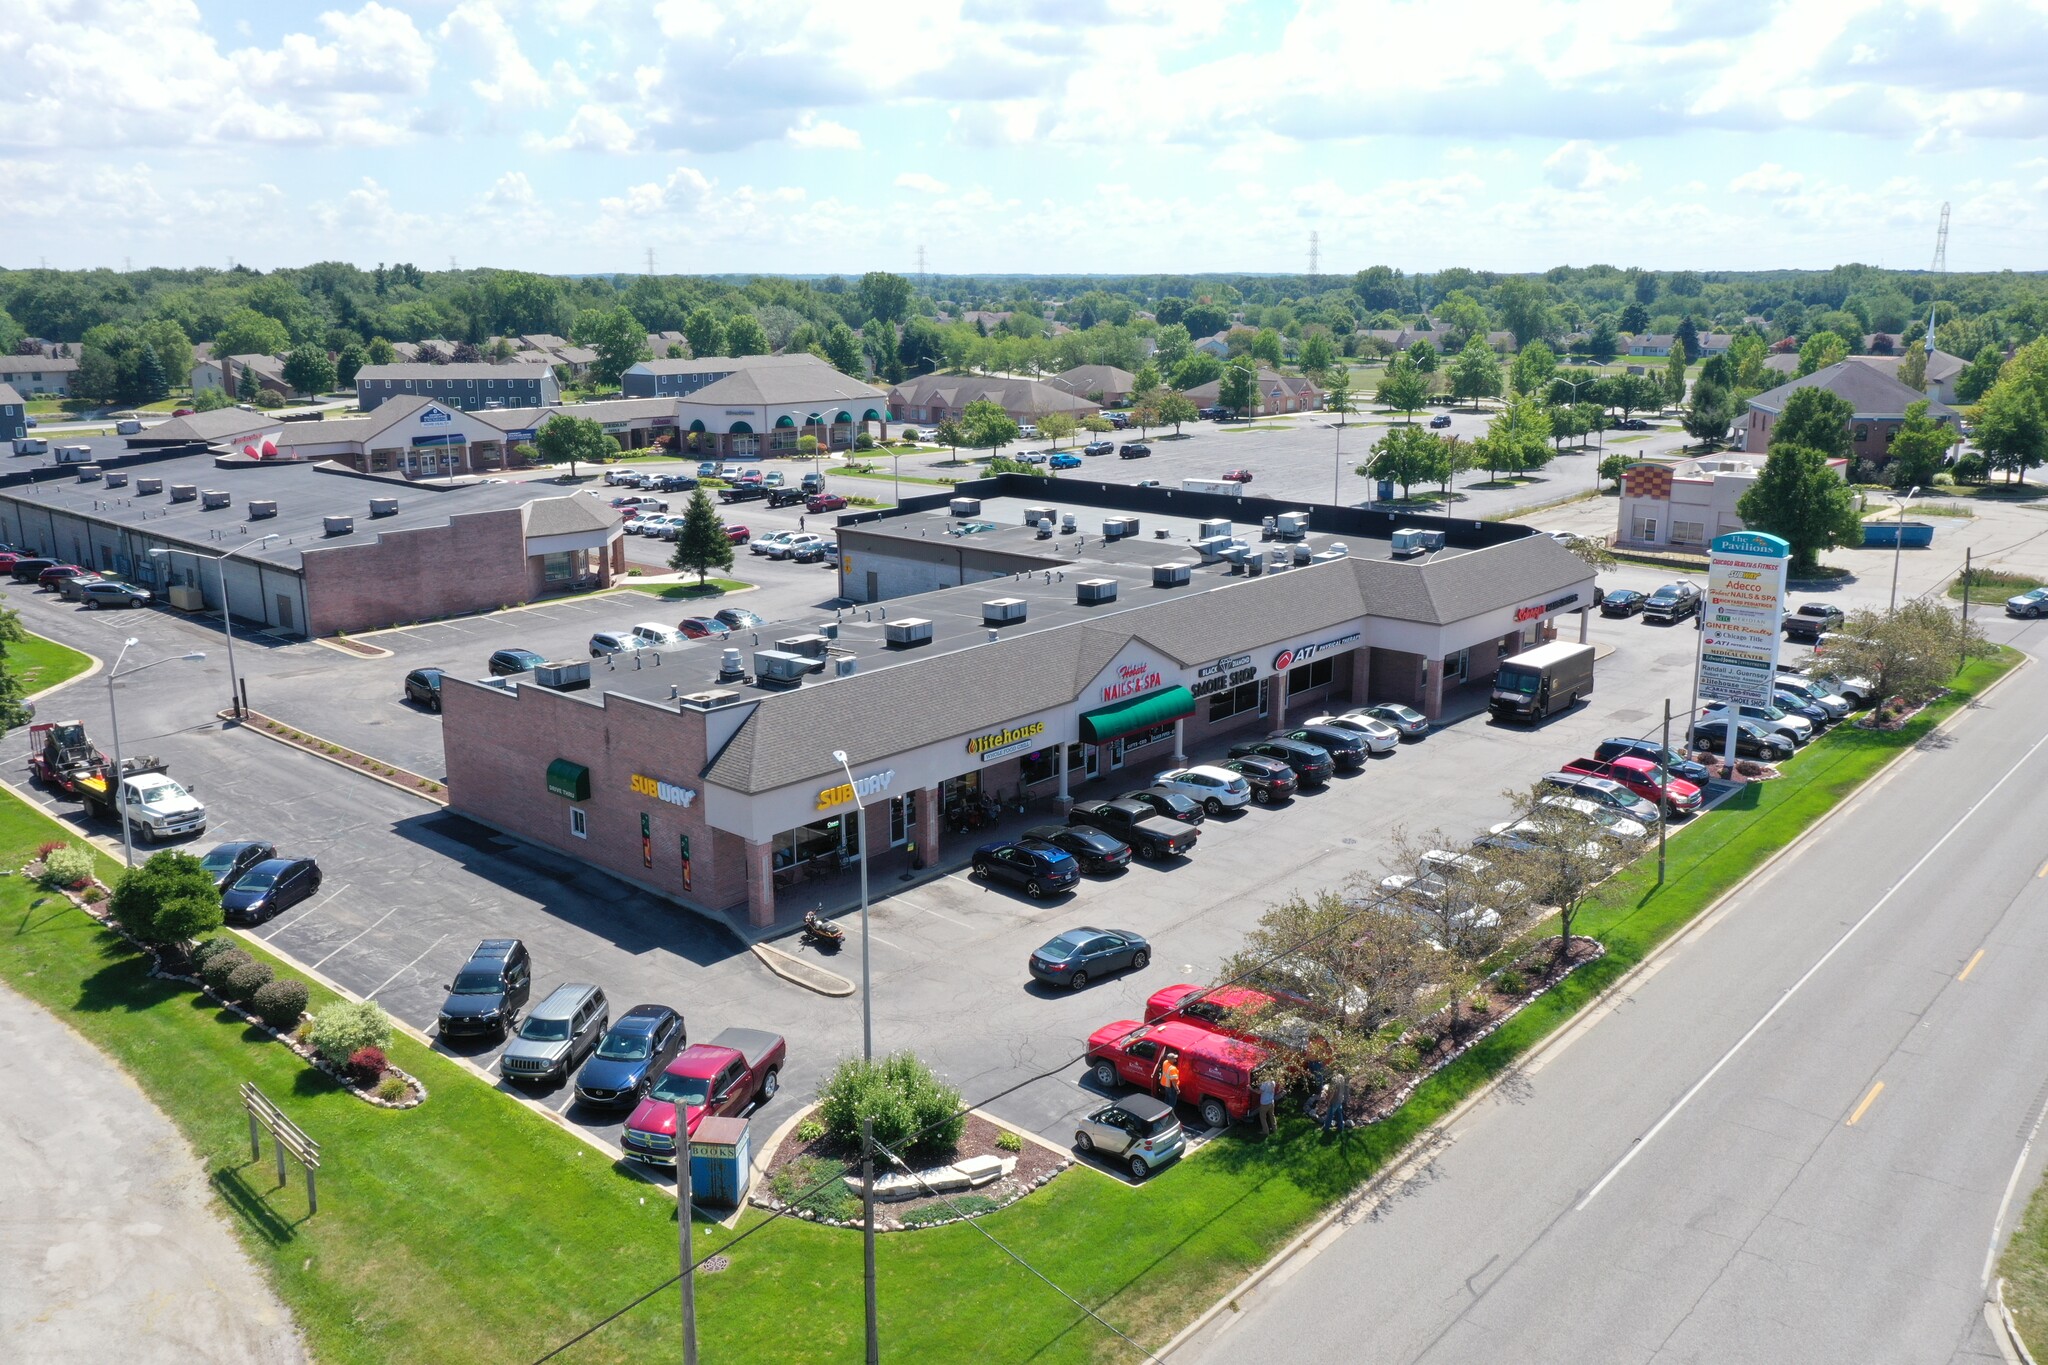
(1154, 709)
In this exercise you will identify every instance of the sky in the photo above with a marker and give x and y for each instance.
(1023, 136)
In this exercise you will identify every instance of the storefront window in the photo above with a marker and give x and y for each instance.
(1042, 766)
(814, 840)
(1309, 676)
(1240, 700)
(1144, 737)
(784, 439)
(559, 570)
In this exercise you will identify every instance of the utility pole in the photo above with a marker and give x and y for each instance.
(1664, 785)
(1964, 657)
(683, 1219)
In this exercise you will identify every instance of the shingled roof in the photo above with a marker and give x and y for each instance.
(1871, 393)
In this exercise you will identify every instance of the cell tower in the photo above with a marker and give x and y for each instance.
(1315, 255)
(650, 260)
(1940, 270)
(921, 280)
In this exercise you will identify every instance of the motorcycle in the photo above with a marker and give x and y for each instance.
(822, 932)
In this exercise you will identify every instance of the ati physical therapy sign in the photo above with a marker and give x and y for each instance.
(1742, 617)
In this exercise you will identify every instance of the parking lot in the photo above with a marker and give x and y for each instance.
(409, 889)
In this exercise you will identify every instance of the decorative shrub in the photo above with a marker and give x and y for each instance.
(46, 848)
(1009, 1142)
(347, 1027)
(959, 1206)
(810, 1130)
(169, 899)
(1404, 1058)
(392, 1089)
(247, 979)
(221, 966)
(1479, 1004)
(863, 442)
(915, 1114)
(366, 1066)
(280, 1004)
(67, 865)
(205, 952)
(815, 1185)
(1510, 982)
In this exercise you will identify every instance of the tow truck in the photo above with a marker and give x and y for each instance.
(66, 761)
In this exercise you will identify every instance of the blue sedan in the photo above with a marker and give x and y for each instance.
(638, 1048)
(1064, 460)
(1038, 868)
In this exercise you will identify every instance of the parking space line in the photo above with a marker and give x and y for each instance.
(371, 995)
(301, 918)
(352, 938)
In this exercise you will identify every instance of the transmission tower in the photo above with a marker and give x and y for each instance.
(1940, 270)
(650, 260)
(1315, 256)
(922, 281)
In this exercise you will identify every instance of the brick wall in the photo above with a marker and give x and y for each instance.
(505, 784)
(474, 563)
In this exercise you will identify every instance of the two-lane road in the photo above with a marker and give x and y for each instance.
(1792, 1140)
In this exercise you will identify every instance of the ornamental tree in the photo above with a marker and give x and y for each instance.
(1800, 499)
(702, 544)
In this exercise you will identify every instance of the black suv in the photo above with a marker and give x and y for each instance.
(1346, 747)
(1270, 779)
(1312, 763)
(486, 994)
(786, 497)
(506, 663)
(1133, 450)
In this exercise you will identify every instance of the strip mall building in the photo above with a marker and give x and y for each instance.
(1051, 661)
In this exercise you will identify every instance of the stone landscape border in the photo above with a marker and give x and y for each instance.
(376, 769)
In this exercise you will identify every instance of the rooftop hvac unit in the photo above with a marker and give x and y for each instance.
(1208, 528)
(708, 701)
(1116, 528)
(1334, 552)
(772, 667)
(184, 492)
(1093, 592)
(261, 509)
(1170, 575)
(143, 485)
(117, 480)
(1213, 548)
(1409, 540)
(729, 666)
(1002, 611)
(810, 646)
(1291, 525)
(214, 498)
(87, 473)
(908, 633)
(1254, 563)
(1034, 515)
(829, 629)
(566, 676)
(846, 665)
(965, 507)
(338, 526)
(1045, 529)
(383, 507)
(1068, 524)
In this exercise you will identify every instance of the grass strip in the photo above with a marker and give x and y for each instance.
(685, 592)
(470, 1229)
(42, 663)
(2024, 1267)
(1989, 585)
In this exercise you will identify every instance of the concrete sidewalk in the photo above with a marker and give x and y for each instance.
(110, 1245)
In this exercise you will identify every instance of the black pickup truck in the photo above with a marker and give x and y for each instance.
(742, 492)
(1150, 834)
(1810, 620)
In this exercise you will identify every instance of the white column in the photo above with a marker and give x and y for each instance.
(1585, 617)
(1180, 750)
(1061, 761)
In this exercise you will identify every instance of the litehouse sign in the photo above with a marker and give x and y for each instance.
(858, 790)
(1132, 679)
(1000, 742)
(662, 791)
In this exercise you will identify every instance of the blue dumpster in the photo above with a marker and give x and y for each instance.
(1386, 490)
(1914, 535)
(721, 1160)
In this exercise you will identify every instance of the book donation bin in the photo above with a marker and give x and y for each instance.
(721, 1161)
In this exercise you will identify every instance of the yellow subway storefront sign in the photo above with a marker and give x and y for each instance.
(859, 789)
(662, 791)
(1001, 742)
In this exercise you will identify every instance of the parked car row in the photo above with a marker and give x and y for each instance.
(256, 884)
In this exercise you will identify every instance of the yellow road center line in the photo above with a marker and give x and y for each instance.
(1874, 1091)
(1965, 974)
(2043, 872)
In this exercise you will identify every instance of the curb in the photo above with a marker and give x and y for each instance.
(361, 651)
(439, 798)
(2012, 1331)
(96, 663)
(797, 971)
(1589, 1014)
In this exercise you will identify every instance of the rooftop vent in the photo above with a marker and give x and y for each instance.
(1068, 524)
(569, 675)
(214, 498)
(261, 509)
(184, 492)
(1002, 611)
(338, 526)
(908, 633)
(383, 507)
(1116, 528)
(774, 668)
(143, 485)
(1093, 592)
(1170, 575)
(729, 667)
(117, 480)
(965, 507)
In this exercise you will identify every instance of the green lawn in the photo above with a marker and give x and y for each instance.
(41, 663)
(2025, 1270)
(685, 592)
(1990, 585)
(471, 1229)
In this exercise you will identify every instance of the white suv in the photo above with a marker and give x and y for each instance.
(1379, 737)
(1217, 789)
(606, 642)
(787, 544)
(769, 544)
(653, 635)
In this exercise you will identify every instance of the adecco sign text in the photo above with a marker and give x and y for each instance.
(1301, 654)
(859, 789)
(1132, 679)
(662, 791)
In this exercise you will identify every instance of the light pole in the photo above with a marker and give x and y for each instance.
(1599, 427)
(114, 780)
(227, 620)
(867, 1052)
(1899, 542)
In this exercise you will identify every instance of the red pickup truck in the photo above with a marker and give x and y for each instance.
(1205, 1007)
(1215, 1071)
(724, 1076)
(1640, 776)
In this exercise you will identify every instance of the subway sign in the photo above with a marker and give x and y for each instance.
(1005, 740)
(857, 790)
(662, 791)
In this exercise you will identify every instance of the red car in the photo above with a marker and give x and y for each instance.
(181, 412)
(1215, 1071)
(738, 535)
(824, 502)
(1237, 475)
(724, 1076)
(1205, 1008)
(54, 576)
(1639, 775)
(700, 628)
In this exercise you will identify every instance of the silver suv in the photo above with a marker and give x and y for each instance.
(556, 1035)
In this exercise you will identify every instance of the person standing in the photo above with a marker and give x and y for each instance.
(1267, 1094)
(1334, 1116)
(1318, 1106)
(1169, 1079)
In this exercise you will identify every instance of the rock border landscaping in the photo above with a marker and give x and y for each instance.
(376, 769)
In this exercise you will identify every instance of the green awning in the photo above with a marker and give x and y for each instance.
(1163, 707)
(569, 779)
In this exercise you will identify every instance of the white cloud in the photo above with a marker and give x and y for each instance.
(477, 28)
(592, 128)
(685, 188)
(817, 134)
(374, 50)
(922, 183)
(1579, 165)
(511, 191)
(1769, 179)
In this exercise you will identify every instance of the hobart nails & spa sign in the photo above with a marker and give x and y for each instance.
(1132, 679)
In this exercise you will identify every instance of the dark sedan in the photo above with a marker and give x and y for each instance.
(1623, 602)
(1751, 740)
(1172, 805)
(225, 862)
(739, 618)
(1094, 849)
(641, 1044)
(1346, 747)
(1038, 869)
(423, 685)
(1081, 955)
(1312, 763)
(1270, 779)
(270, 888)
(105, 594)
(507, 662)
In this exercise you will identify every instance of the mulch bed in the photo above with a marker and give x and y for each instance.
(358, 647)
(1036, 1164)
(421, 786)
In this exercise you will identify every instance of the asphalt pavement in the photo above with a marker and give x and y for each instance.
(1794, 1138)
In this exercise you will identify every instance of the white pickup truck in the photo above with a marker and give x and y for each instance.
(158, 808)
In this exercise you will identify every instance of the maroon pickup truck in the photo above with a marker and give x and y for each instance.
(727, 1075)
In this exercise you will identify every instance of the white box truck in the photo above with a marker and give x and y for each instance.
(1226, 487)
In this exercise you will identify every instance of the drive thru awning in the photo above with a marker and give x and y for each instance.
(569, 779)
(1154, 709)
